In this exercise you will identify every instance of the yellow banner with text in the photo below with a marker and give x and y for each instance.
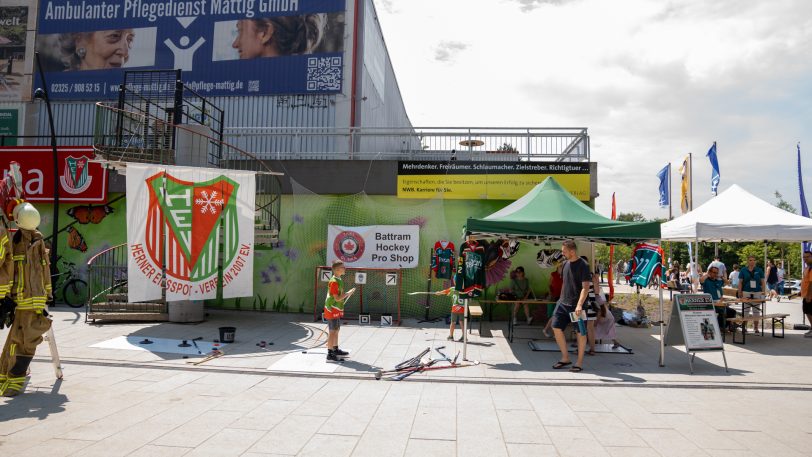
(487, 180)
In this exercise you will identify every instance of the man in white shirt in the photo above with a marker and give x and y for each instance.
(717, 262)
(734, 276)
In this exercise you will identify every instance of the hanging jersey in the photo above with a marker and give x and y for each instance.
(646, 262)
(470, 278)
(442, 260)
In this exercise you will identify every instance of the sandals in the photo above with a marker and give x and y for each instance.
(576, 369)
(559, 365)
(590, 352)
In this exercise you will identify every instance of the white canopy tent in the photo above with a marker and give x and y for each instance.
(737, 215)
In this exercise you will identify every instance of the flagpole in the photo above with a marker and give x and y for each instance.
(670, 215)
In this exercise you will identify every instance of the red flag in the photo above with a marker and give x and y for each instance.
(612, 256)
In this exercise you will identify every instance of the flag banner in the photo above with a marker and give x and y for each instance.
(685, 193)
(647, 260)
(193, 221)
(714, 161)
(665, 177)
(805, 246)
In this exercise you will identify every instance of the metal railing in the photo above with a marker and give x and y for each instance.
(431, 143)
(107, 285)
(122, 136)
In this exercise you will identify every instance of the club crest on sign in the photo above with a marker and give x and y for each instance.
(75, 178)
(348, 246)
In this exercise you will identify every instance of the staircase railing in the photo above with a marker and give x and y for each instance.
(122, 136)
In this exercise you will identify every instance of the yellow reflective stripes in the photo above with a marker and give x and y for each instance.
(12, 384)
(12, 349)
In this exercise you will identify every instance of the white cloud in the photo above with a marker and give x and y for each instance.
(447, 50)
(651, 81)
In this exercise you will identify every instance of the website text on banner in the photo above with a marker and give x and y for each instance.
(80, 180)
(224, 47)
(487, 180)
(183, 218)
(374, 246)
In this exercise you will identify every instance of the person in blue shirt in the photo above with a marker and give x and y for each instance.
(752, 286)
(711, 284)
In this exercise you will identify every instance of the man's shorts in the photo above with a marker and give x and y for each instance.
(807, 307)
(752, 308)
(561, 316)
(333, 324)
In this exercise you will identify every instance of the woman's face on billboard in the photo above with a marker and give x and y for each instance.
(251, 42)
(106, 49)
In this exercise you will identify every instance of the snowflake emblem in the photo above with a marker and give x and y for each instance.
(209, 203)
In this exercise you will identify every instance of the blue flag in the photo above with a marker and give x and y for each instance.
(804, 208)
(665, 182)
(715, 177)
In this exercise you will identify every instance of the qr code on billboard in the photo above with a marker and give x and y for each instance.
(324, 73)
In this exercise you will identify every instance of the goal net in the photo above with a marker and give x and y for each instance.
(377, 293)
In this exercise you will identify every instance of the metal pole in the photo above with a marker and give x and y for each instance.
(670, 215)
(662, 324)
(55, 156)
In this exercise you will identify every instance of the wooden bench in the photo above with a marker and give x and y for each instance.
(475, 311)
(741, 321)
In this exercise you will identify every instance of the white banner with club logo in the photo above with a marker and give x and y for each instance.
(193, 221)
(374, 246)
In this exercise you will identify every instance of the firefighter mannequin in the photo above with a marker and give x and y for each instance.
(30, 288)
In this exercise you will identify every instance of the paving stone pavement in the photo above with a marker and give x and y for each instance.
(119, 403)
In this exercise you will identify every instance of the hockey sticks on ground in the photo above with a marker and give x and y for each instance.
(414, 361)
(408, 372)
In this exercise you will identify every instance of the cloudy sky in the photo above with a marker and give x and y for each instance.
(652, 80)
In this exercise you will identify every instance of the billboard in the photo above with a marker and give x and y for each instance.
(15, 60)
(223, 47)
(487, 180)
(80, 179)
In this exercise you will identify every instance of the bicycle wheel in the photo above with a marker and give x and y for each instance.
(75, 293)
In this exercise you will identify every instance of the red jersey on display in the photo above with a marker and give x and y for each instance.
(442, 259)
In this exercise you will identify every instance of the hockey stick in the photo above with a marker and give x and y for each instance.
(194, 341)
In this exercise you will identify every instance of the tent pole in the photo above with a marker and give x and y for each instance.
(465, 332)
(662, 323)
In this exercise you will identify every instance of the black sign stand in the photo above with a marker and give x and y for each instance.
(428, 295)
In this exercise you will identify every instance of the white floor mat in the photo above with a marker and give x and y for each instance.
(314, 361)
(165, 345)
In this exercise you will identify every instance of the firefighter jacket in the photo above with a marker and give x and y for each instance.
(6, 264)
(32, 274)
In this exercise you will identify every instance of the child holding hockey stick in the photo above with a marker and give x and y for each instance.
(334, 310)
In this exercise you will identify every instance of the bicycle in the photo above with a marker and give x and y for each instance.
(74, 290)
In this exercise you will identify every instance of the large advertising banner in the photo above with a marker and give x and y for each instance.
(182, 218)
(223, 47)
(80, 179)
(374, 246)
(487, 180)
(15, 63)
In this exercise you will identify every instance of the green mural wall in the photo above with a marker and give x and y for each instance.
(285, 277)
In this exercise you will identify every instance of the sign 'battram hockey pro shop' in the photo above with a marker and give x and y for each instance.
(487, 180)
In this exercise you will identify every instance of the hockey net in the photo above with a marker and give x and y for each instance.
(378, 292)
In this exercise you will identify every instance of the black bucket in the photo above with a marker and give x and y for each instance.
(227, 334)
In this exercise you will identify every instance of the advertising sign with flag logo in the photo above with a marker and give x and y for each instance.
(192, 221)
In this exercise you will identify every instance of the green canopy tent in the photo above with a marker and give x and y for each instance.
(549, 213)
